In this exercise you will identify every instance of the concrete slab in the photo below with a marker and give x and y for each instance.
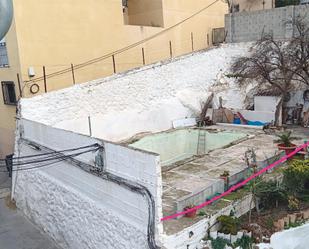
(16, 232)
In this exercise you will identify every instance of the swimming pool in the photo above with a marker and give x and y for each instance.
(177, 145)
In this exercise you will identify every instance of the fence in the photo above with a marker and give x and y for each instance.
(220, 186)
(249, 26)
(238, 177)
(200, 196)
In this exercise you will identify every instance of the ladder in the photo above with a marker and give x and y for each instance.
(201, 143)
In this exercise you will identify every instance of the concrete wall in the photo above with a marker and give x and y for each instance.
(249, 26)
(82, 210)
(7, 112)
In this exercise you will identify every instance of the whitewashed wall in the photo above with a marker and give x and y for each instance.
(182, 240)
(147, 99)
(80, 210)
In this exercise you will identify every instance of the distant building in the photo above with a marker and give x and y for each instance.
(59, 34)
(251, 5)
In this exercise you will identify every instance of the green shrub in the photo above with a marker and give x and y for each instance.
(283, 3)
(219, 243)
(296, 176)
(269, 223)
(270, 193)
(229, 225)
(245, 243)
(293, 203)
(202, 213)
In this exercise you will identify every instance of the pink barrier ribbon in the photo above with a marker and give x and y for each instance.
(239, 185)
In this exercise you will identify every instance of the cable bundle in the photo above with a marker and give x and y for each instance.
(43, 160)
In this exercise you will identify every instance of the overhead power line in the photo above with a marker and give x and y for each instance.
(133, 45)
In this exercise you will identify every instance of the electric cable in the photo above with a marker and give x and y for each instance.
(36, 167)
(58, 156)
(134, 187)
(54, 152)
(51, 158)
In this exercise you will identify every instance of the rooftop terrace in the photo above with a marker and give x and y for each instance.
(190, 180)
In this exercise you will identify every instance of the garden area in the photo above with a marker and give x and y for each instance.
(280, 195)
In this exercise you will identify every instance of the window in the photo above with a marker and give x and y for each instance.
(4, 61)
(143, 12)
(8, 90)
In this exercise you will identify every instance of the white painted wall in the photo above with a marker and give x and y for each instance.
(146, 99)
(266, 103)
(266, 117)
(181, 240)
(80, 210)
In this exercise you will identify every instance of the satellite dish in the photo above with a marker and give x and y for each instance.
(6, 16)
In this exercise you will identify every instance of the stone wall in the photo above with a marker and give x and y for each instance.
(249, 26)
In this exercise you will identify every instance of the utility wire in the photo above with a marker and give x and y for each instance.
(52, 158)
(133, 45)
(42, 157)
(54, 152)
(36, 167)
(58, 156)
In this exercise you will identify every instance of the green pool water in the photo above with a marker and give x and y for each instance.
(181, 144)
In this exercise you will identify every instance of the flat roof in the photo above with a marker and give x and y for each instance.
(183, 179)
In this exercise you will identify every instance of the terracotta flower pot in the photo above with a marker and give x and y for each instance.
(288, 150)
(191, 214)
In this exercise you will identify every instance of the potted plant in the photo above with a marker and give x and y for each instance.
(225, 176)
(284, 142)
(191, 214)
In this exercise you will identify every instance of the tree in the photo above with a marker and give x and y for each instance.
(250, 159)
(230, 5)
(283, 3)
(277, 64)
(299, 48)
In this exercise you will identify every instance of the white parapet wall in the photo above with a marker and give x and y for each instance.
(83, 210)
(190, 237)
(142, 100)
